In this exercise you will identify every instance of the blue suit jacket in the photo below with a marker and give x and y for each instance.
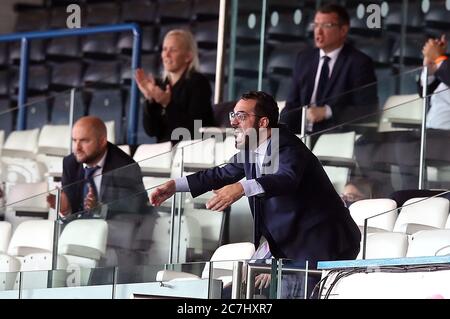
(353, 69)
(301, 215)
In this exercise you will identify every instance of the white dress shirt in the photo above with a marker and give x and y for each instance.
(333, 55)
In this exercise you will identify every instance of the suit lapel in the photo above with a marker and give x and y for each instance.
(106, 168)
(342, 57)
(311, 76)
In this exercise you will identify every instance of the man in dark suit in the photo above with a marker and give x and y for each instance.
(106, 183)
(99, 180)
(324, 77)
(294, 204)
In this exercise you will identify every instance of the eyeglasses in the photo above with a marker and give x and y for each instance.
(240, 116)
(328, 25)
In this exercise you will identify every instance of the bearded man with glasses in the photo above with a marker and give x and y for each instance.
(294, 205)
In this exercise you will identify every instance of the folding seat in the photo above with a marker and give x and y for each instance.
(212, 227)
(158, 253)
(32, 236)
(437, 20)
(385, 245)
(401, 196)
(248, 29)
(36, 51)
(54, 140)
(205, 34)
(429, 243)
(61, 107)
(247, 61)
(149, 62)
(53, 145)
(383, 207)
(154, 158)
(66, 75)
(400, 108)
(205, 10)
(286, 26)
(102, 74)
(412, 51)
(140, 11)
(358, 27)
(282, 59)
(59, 15)
(414, 20)
(244, 84)
(102, 13)
(100, 45)
(37, 112)
(4, 54)
(87, 250)
(379, 49)
(221, 261)
(21, 144)
(32, 20)
(335, 151)
(26, 201)
(174, 11)
(38, 79)
(108, 105)
(422, 214)
(6, 116)
(208, 61)
(148, 36)
(283, 85)
(65, 48)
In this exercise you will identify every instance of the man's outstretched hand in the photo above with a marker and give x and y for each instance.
(163, 192)
(225, 196)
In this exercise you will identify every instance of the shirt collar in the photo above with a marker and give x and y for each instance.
(262, 148)
(332, 55)
(100, 163)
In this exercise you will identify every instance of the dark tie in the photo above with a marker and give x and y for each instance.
(256, 212)
(89, 180)
(323, 80)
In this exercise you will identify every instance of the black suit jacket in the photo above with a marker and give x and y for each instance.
(300, 213)
(191, 100)
(353, 69)
(122, 189)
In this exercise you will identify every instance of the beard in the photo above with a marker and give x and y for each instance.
(89, 159)
(246, 139)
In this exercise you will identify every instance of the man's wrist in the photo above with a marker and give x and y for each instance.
(439, 59)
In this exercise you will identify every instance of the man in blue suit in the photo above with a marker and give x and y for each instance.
(328, 78)
(294, 205)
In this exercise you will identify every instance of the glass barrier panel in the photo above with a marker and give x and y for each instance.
(9, 277)
(372, 146)
(416, 226)
(437, 135)
(71, 281)
(152, 281)
(205, 227)
(297, 280)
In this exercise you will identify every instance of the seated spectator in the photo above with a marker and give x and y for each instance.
(356, 189)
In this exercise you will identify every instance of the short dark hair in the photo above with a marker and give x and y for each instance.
(344, 18)
(265, 105)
